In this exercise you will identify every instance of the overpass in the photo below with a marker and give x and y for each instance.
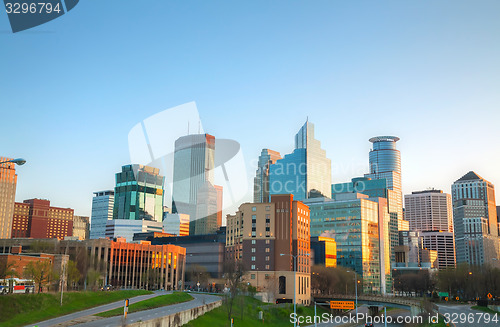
(414, 306)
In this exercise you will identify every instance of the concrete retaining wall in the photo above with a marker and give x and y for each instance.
(179, 318)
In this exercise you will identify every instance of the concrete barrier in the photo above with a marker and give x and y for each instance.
(179, 318)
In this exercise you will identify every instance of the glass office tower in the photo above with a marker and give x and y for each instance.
(139, 193)
(353, 223)
(385, 163)
(194, 192)
(306, 172)
(261, 180)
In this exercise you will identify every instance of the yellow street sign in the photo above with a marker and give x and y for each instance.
(342, 305)
(490, 296)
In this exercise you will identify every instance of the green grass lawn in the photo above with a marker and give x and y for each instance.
(159, 301)
(484, 309)
(246, 314)
(23, 309)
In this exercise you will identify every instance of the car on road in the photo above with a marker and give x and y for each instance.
(368, 324)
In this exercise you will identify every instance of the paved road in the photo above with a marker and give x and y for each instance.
(92, 311)
(199, 299)
(333, 323)
(462, 315)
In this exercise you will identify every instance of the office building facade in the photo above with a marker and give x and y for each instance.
(272, 240)
(385, 163)
(194, 192)
(102, 211)
(261, 192)
(35, 218)
(430, 212)
(126, 228)
(475, 220)
(8, 182)
(306, 172)
(353, 221)
(139, 194)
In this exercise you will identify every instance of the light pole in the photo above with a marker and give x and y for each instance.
(294, 282)
(356, 289)
(18, 161)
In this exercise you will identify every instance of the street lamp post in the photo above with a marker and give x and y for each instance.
(356, 289)
(294, 282)
(18, 161)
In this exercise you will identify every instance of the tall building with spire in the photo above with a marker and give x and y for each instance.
(475, 219)
(306, 172)
(261, 180)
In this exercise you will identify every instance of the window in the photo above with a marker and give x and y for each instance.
(267, 250)
(253, 250)
(252, 276)
(252, 267)
(268, 208)
(267, 242)
(254, 208)
(253, 258)
(253, 241)
(267, 258)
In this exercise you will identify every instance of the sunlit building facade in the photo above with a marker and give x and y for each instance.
(265, 237)
(176, 224)
(8, 182)
(475, 220)
(324, 251)
(352, 220)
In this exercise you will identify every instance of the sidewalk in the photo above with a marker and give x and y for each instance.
(88, 312)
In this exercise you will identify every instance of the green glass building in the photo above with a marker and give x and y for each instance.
(139, 193)
(353, 223)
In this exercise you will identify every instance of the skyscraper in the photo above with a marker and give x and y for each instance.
(385, 162)
(194, 192)
(139, 194)
(475, 219)
(102, 211)
(8, 181)
(306, 172)
(429, 210)
(430, 213)
(261, 180)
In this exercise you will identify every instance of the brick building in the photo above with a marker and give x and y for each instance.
(35, 218)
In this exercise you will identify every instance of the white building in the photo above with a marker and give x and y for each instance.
(128, 227)
(102, 211)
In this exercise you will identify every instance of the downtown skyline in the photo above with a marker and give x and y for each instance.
(428, 75)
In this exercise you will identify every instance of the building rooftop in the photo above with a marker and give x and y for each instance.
(470, 176)
(384, 139)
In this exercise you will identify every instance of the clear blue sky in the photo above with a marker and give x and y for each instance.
(426, 71)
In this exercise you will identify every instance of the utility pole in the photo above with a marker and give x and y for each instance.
(62, 281)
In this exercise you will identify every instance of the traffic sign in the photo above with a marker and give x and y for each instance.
(441, 294)
(446, 298)
(342, 305)
(490, 296)
(457, 298)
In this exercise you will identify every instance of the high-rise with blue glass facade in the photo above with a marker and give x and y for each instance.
(261, 180)
(139, 193)
(306, 172)
(385, 163)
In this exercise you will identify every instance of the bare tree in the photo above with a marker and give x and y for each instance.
(233, 272)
